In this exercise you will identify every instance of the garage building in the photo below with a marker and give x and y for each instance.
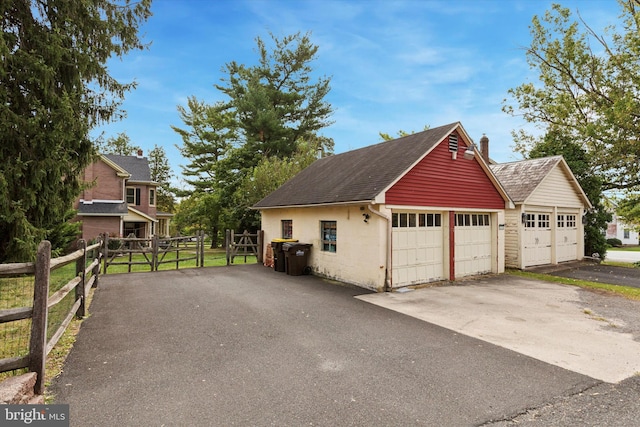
(414, 210)
(546, 226)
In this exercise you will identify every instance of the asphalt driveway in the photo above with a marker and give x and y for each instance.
(244, 345)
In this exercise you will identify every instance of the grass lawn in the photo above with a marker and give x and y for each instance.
(212, 258)
(625, 291)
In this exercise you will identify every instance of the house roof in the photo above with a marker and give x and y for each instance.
(520, 179)
(138, 167)
(358, 175)
(102, 209)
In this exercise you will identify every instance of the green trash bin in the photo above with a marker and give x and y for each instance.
(296, 258)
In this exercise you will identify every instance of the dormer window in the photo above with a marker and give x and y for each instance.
(453, 143)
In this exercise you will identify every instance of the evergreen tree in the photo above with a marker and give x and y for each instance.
(272, 108)
(161, 173)
(55, 87)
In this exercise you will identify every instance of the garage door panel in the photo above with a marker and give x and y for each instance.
(473, 244)
(537, 239)
(417, 253)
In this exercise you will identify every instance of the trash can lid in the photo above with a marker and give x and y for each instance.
(284, 240)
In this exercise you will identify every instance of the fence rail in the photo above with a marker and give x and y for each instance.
(154, 250)
(85, 278)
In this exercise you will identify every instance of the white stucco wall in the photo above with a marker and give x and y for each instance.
(354, 236)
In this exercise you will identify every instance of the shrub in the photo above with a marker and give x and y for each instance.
(616, 243)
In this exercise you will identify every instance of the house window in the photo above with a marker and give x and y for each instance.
(626, 233)
(328, 234)
(560, 221)
(133, 196)
(152, 197)
(571, 221)
(287, 228)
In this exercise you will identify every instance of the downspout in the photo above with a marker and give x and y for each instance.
(387, 278)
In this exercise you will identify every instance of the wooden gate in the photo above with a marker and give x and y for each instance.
(245, 244)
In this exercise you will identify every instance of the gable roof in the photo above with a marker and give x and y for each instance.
(137, 167)
(520, 179)
(360, 175)
(357, 175)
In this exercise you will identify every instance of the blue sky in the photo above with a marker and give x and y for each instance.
(393, 64)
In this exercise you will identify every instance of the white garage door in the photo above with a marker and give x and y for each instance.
(417, 248)
(537, 239)
(567, 237)
(473, 244)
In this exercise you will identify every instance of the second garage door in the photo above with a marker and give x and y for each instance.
(473, 244)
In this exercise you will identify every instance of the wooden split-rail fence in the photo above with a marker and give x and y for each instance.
(85, 278)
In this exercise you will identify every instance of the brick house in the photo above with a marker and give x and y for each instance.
(120, 199)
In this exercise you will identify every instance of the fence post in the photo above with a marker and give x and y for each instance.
(81, 265)
(201, 243)
(259, 255)
(96, 269)
(105, 253)
(154, 255)
(227, 239)
(38, 340)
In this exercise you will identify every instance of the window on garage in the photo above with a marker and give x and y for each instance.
(543, 221)
(329, 235)
(410, 219)
(287, 228)
(530, 220)
(475, 220)
(560, 221)
(571, 221)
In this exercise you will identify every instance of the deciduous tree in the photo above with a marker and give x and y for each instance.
(588, 89)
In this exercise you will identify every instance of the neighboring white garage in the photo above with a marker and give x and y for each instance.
(546, 226)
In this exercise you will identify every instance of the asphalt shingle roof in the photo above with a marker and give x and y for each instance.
(137, 167)
(521, 178)
(358, 175)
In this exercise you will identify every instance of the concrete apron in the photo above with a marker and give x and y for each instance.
(542, 320)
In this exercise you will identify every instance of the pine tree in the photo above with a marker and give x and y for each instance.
(54, 88)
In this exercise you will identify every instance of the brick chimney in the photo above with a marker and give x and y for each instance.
(484, 147)
(140, 153)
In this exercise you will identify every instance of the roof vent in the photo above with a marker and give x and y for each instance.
(453, 143)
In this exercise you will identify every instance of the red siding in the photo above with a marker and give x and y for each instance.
(438, 180)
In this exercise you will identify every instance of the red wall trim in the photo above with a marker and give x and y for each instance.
(452, 245)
